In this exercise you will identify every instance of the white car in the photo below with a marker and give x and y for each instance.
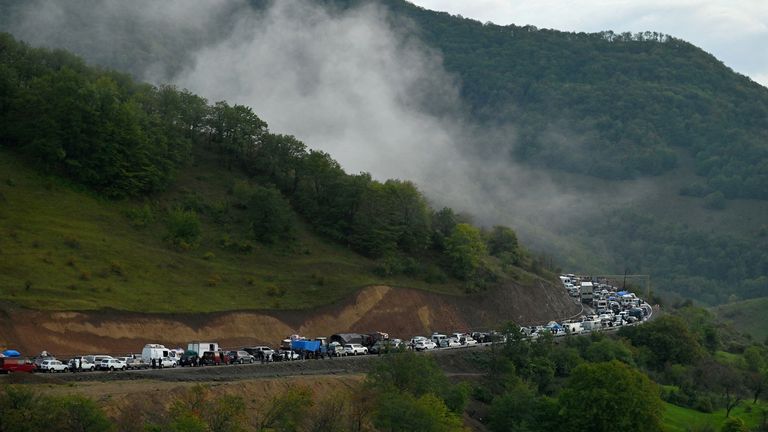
(81, 364)
(468, 340)
(52, 365)
(112, 364)
(354, 349)
(452, 342)
(424, 344)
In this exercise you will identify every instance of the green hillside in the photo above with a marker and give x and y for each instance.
(593, 112)
(747, 316)
(68, 249)
(118, 194)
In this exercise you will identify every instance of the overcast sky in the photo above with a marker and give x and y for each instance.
(735, 31)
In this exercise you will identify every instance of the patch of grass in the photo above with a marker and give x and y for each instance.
(83, 233)
(679, 419)
(747, 316)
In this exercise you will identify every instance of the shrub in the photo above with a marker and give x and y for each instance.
(140, 217)
(183, 228)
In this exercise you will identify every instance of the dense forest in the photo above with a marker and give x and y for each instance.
(627, 100)
(125, 139)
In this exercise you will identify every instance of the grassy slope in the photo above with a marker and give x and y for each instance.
(747, 316)
(65, 249)
(678, 419)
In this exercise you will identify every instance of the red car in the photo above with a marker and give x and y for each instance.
(16, 364)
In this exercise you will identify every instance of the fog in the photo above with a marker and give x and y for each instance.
(346, 82)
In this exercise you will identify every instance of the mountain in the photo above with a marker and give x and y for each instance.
(659, 149)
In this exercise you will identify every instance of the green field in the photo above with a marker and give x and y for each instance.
(678, 419)
(747, 316)
(66, 249)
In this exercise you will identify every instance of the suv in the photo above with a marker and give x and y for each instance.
(240, 357)
(354, 349)
(112, 364)
(80, 364)
(266, 352)
(53, 365)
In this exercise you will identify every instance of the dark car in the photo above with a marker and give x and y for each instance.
(189, 358)
(213, 358)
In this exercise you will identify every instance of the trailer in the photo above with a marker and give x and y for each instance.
(201, 347)
(586, 290)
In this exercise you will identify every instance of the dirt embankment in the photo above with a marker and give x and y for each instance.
(398, 311)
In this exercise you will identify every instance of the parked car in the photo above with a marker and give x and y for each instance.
(134, 362)
(81, 364)
(385, 346)
(284, 355)
(189, 358)
(111, 364)
(53, 366)
(167, 362)
(424, 344)
(240, 357)
(452, 342)
(213, 358)
(10, 365)
(259, 352)
(354, 349)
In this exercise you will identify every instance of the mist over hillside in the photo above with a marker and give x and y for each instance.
(369, 83)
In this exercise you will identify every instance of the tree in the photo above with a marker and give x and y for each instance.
(502, 243)
(609, 397)
(397, 412)
(734, 425)
(666, 340)
(465, 251)
(269, 215)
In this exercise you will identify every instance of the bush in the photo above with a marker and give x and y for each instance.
(715, 201)
(183, 228)
(140, 217)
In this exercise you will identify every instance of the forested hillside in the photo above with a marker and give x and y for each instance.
(123, 139)
(615, 107)
(626, 99)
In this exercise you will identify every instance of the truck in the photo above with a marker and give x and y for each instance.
(586, 292)
(159, 353)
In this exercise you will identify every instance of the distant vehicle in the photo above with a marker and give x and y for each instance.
(189, 358)
(573, 328)
(440, 339)
(240, 357)
(284, 355)
(167, 362)
(96, 359)
(354, 349)
(81, 364)
(424, 344)
(10, 365)
(157, 353)
(132, 362)
(53, 366)
(586, 292)
(201, 347)
(386, 346)
(259, 352)
(213, 358)
(112, 364)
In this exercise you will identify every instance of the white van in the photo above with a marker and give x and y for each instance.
(440, 340)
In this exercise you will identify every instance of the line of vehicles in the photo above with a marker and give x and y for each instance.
(608, 307)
